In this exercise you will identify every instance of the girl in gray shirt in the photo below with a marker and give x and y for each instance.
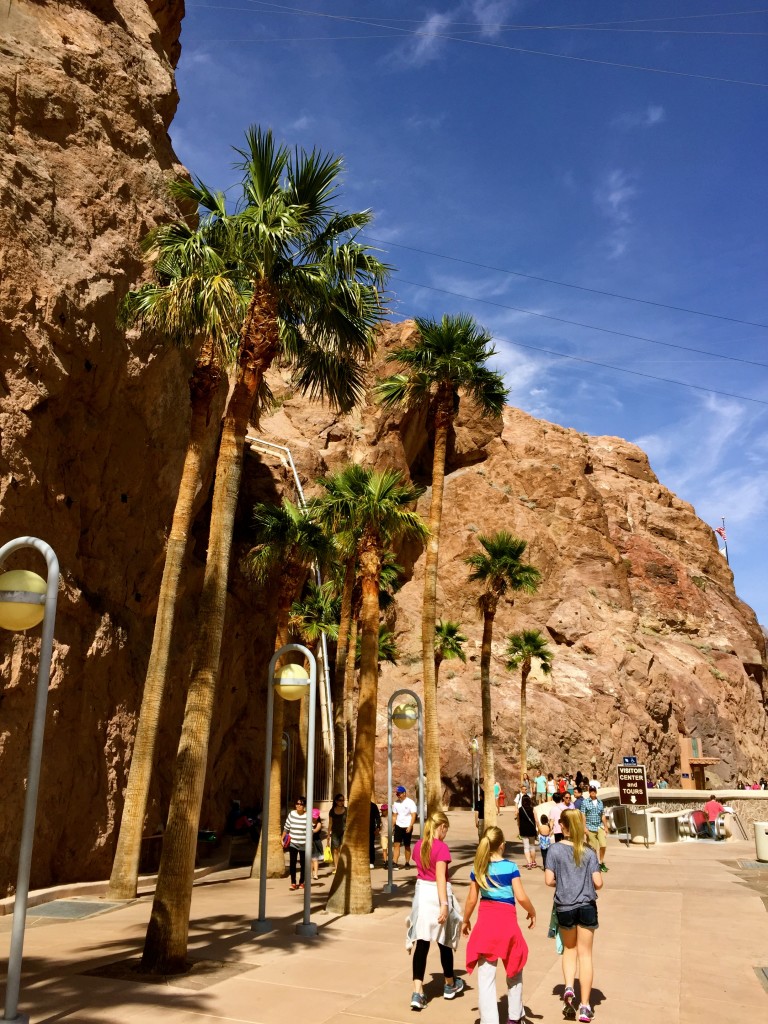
(573, 870)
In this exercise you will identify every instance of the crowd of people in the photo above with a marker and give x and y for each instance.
(496, 890)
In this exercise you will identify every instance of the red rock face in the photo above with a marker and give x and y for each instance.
(649, 638)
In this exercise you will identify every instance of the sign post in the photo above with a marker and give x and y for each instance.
(633, 785)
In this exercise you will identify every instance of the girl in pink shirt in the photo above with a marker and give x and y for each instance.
(435, 915)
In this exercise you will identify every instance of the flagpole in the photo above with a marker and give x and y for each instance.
(725, 541)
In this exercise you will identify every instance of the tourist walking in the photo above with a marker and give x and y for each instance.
(374, 831)
(526, 820)
(496, 884)
(596, 821)
(337, 823)
(541, 787)
(317, 844)
(435, 914)
(574, 873)
(295, 834)
(404, 814)
(545, 838)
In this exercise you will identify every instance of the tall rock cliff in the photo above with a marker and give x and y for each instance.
(650, 639)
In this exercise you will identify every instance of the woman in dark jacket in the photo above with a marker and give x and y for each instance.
(526, 820)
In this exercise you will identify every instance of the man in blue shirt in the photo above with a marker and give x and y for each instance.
(596, 821)
(578, 799)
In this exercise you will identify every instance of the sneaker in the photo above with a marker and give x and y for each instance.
(586, 1014)
(603, 867)
(418, 1001)
(371, 866)
(568, 997)
(451, 991)
(395, 867)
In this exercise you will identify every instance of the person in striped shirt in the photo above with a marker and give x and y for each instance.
(295, 828)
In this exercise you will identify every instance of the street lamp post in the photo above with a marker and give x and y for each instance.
(405, 716)
(474, 747)
(291, 683)
(25, 600)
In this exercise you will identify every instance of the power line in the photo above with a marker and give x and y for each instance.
(591, 327)
(520, 49)
(634, 373)
(466, 26)
(566, 284)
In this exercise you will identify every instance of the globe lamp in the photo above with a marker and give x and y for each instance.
(17, 615)
(291, 682)
(405, 716)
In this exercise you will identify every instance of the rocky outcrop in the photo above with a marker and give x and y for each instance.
(649, 638)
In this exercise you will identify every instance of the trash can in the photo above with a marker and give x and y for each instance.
(761, 840)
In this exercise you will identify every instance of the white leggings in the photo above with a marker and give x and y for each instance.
(527, 849)
(486, 993)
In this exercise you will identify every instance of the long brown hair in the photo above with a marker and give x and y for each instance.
(574, 826)
(492, 842)
(433, 823)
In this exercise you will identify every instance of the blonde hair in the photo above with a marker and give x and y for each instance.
(574, 824)
(433, 823)
(492, 841)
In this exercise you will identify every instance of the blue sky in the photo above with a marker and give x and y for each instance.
(557, 164)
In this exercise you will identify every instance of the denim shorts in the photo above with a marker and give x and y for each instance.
(584, 916)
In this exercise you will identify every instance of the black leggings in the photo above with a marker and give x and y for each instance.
(420, 959)
(295, 855)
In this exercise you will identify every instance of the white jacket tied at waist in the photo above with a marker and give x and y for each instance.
(425, 910)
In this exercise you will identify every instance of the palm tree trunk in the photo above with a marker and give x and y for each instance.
(165, 947)
(489, 772)
(339, 675)
(351, 888)
(525, 670)
(443, 416)
(275, 851)
(203, 386)
(349, 695)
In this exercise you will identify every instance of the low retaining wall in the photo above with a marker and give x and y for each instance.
(751, 805)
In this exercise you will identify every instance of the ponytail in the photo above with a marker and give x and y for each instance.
(432, 824)
(574, 826)
(492, 842)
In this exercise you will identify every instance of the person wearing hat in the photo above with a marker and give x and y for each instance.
(404, 814)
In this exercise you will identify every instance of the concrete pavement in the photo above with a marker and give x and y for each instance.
(682, 931)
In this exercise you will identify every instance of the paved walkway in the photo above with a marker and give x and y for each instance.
(682, 931)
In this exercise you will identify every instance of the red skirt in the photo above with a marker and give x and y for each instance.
(497, 936)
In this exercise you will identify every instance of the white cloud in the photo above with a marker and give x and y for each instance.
(613, 197)
(426, 42)
(652, 115)
(490, 15)
(424, 122)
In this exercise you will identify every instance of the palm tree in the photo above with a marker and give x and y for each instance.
(522, 648)
(195, 292)
(499, 569)
(316, 300)
(289, 543)
(446, 361)
(316, 613)
(449, 644)
(374, 507)
(388, 651)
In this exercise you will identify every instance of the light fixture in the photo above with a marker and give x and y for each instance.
(291, 681)
(405, 716)
(16, 613)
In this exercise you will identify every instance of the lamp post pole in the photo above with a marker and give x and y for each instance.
(261, 924)
(48, 600)
(390, 886)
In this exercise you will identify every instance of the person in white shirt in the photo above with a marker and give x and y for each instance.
(404, 814)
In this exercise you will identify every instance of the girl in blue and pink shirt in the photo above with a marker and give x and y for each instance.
(497, 886)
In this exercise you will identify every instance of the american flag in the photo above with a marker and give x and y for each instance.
(720, 531)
